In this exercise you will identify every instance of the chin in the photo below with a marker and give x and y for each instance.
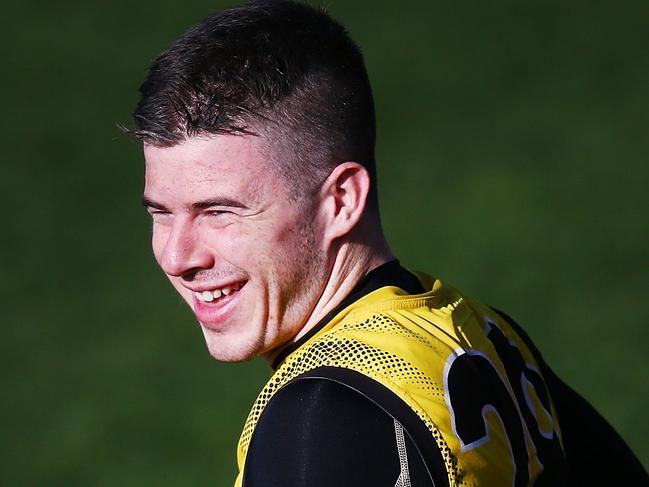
(225, 348)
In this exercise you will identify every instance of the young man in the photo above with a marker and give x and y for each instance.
(258, 130)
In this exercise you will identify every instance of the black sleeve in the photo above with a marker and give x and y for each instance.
(596, 454)
(319, 433)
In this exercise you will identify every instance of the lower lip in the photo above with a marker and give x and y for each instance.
(214, 314)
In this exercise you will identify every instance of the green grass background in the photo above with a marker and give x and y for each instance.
(513, 163)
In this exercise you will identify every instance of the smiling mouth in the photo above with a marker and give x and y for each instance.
(217, 294)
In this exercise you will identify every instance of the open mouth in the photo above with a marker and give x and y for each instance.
(218, 294)
(214, 307)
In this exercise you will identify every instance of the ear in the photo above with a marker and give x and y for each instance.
(343, 198)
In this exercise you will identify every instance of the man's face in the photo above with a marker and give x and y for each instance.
(246, 258)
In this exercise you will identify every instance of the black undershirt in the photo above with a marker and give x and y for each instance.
(318, 433)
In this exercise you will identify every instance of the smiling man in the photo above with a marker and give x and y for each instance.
(234, 244)
(258, 130)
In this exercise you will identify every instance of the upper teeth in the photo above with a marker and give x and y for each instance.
(210, 296)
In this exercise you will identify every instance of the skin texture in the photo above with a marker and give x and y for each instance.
(223, 217)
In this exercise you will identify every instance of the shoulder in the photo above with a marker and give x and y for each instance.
(320, 429)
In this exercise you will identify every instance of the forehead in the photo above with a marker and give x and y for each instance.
(202, 166)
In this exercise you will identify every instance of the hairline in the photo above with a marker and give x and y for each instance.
(280, 156)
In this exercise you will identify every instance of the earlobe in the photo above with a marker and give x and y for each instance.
(345, 192)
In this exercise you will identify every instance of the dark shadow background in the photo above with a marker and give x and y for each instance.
(513, 163)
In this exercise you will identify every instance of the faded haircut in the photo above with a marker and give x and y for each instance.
(278, 69)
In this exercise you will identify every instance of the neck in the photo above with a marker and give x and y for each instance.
(351, 262)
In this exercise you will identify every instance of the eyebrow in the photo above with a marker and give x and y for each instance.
(198, 205)
(222, 201)
(149, 203)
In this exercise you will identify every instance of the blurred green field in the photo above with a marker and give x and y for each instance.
(513, 163)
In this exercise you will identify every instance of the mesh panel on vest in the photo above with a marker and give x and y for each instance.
(339, 348)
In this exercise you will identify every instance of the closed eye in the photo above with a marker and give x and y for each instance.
(153, 211)
(219, 212)
(220, 217)
(161, 217)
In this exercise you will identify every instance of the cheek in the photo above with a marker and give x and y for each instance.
(296, 247)
(245, 240)
(226, 243)
(262, 245)
(159, 237)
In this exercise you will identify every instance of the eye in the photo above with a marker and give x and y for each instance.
(219, 217)
(159, 216)
(219, 212)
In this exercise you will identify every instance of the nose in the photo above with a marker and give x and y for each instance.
(183, 253)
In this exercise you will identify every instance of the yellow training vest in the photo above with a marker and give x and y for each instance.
(456, 363)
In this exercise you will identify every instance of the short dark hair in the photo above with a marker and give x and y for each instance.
(280, 66)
